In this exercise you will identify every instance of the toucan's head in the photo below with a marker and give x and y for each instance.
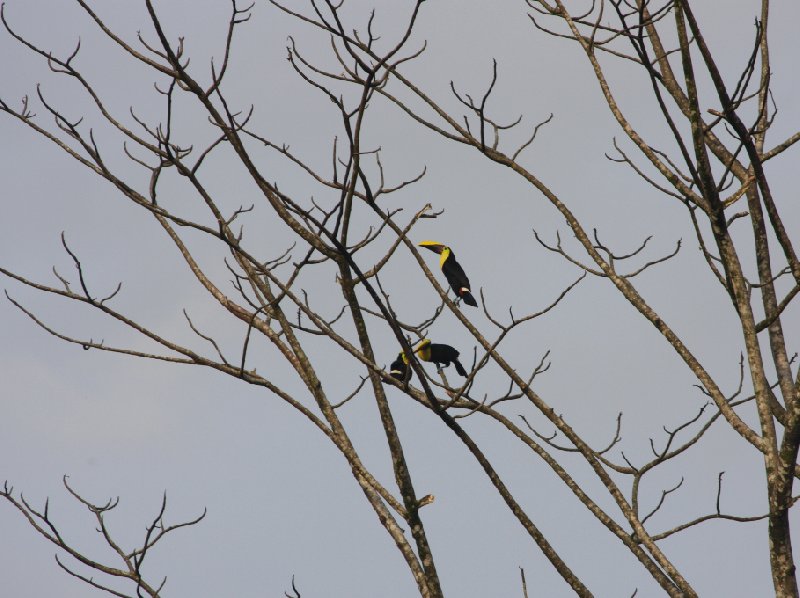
(422, 345)
(433, 246)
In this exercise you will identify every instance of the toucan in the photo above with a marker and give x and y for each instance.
(441, 355)
(453, 271)
(399, 367)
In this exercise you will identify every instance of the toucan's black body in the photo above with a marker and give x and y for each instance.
(441, 355)
(458, 280)
(399, 368)
(453, 272)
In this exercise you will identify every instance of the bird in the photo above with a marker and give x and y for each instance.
(441, 355)
(399, 367)
(453, 271)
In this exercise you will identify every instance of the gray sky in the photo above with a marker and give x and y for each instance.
(280, 500)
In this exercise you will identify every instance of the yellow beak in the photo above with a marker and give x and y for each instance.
(433, 246)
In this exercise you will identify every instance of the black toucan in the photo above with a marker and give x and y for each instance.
(453, 271)
(399, 368)
(441, 355)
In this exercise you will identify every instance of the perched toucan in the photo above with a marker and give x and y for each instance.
(453, 271)
(441, 355)
(399, 367)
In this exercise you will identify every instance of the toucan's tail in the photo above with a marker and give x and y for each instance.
(468, 298)
(460, 368)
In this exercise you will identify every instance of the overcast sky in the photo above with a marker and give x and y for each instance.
(280, 500)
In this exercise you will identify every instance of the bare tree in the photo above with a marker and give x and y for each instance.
(348, 232)
(131, 561)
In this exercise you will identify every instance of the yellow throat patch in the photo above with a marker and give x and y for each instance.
(443, 256)
(423, 350)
